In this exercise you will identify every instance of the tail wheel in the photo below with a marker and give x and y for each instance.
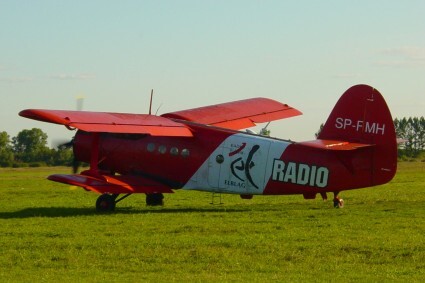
(338, 202)
(105, 203)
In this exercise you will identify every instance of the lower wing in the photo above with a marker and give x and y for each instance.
(112, 184)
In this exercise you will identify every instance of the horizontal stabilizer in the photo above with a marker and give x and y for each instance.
(238, 114)
(112, 184)
(110, 122)
(334, 145)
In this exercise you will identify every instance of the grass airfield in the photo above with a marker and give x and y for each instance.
(50, 232)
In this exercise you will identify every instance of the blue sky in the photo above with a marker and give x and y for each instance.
(196, 53)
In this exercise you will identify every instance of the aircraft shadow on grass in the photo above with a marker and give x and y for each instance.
(53, 212)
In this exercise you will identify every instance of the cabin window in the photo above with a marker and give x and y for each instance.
(185, 152)
(151, 147)
(162, 149)
(174, 151)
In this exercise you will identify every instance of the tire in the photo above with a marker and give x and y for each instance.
(105, 203)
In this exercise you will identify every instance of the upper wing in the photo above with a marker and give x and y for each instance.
(110, 122)
(238, 114)
(232, 115)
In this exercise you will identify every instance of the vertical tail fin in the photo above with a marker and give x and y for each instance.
(361, 115)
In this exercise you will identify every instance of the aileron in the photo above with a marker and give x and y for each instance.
(238, 114)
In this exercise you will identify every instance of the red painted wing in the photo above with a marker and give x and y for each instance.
(112, 184)
(110, 122)
(238, 114)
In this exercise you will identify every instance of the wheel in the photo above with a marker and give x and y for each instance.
(338, 202)
(154, 199)
(105, 203)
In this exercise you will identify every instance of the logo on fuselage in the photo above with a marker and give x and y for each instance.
(242, 168)
(300, 174)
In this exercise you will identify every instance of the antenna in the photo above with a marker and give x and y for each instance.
(158, 109)
(150, 104)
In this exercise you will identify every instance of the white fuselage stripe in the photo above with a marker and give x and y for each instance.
(241, 164)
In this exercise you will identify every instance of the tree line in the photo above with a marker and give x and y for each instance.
(29, 148)
(412, 132)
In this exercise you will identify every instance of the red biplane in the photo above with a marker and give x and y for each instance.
(204, 149)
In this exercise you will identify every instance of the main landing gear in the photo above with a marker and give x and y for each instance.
(107, 202)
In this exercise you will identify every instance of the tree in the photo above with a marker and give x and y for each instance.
(31, 146)
(412, 131)
(319, 131)
(6, 152)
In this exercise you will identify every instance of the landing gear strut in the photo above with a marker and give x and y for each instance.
(107, 202)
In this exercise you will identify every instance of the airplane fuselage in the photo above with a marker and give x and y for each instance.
(225, 161)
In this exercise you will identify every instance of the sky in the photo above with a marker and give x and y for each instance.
(198, 53)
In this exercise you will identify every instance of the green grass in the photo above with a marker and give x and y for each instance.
(49, 232)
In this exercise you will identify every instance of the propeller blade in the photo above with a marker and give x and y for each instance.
(66, 145)
(80, 102)
(75, 165)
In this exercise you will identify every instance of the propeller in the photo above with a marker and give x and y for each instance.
(64, 144)
(80, 101)
(75, 165)
(69, 144)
